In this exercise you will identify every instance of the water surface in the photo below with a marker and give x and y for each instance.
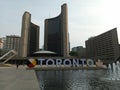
(79, 80)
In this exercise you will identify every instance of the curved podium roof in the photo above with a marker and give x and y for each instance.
(44, 52)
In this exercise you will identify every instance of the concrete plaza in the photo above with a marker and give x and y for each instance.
(12, 78)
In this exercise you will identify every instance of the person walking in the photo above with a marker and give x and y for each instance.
(17, 65)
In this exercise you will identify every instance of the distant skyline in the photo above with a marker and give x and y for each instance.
(86, 18)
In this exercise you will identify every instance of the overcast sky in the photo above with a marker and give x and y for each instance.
(86, 18)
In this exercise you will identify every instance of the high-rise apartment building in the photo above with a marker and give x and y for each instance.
(104, 46)
(12, 43)
(56, 33)
(29, 42)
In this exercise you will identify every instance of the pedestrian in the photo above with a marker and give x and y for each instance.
(17, 65)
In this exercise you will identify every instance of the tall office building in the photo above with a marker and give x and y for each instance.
(12, 43)
(29, 42)
(104, 46)
(56, 33)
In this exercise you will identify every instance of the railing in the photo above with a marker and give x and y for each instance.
(9, 55)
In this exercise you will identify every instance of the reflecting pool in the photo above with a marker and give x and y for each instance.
(79, 80)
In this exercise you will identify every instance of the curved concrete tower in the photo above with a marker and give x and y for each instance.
(56, 33)
(29, 42)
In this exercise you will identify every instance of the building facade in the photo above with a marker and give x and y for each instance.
(56, 36)
(104, 46)
(29, 42)
(12, 43)
(1, 43)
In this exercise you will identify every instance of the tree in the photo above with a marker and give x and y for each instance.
(73, 53)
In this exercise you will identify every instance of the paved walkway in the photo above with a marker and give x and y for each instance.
(18, 79)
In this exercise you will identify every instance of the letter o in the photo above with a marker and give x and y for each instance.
(90, 62)
(50, 60)
(67, 60)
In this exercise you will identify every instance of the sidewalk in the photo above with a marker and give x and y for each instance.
(18, 79)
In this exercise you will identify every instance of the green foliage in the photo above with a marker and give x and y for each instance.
(72, 53)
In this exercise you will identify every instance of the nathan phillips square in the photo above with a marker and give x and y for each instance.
(44, 56)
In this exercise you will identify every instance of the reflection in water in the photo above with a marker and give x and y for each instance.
(81, 79)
